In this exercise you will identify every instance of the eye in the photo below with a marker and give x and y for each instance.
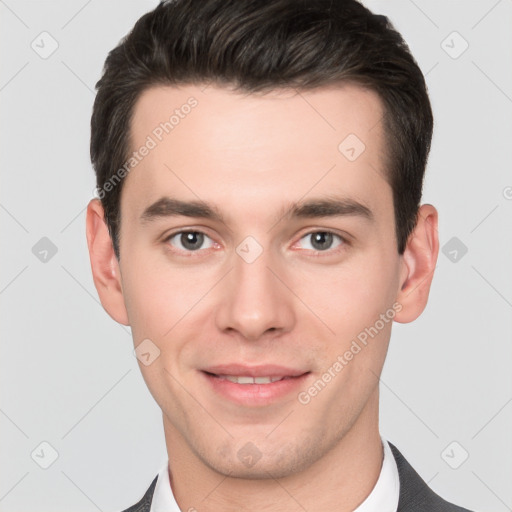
(322, 241)
(189, 241)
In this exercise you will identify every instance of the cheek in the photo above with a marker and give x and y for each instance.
(160, 295)
(350, 296)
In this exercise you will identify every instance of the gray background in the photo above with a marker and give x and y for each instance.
(68, 374)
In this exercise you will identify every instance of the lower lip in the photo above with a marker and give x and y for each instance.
(255, 394)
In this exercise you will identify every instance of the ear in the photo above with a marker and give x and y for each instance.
(104, 264)
(417, 265)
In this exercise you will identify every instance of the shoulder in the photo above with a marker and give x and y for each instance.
(415, 494)
(144, 505)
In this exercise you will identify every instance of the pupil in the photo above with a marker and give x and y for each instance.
(192, 240)
(322, 240)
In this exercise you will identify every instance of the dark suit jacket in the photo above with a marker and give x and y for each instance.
(415, 495)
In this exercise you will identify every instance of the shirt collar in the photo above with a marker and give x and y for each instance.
(385, 494)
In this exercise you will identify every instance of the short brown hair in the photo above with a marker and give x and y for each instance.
(263, 45)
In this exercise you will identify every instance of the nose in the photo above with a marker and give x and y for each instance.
(254, 302)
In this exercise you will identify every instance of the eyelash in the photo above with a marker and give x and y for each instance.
(187, 254)
(315, 254)
(329, 252)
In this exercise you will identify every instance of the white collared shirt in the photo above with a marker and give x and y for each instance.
(383, 498)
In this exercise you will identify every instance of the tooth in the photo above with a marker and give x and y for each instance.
(250, 380)
(245, 380)
(262, 380)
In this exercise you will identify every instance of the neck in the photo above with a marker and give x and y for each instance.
(340, 480)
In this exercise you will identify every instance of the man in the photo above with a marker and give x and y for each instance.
(259, 170)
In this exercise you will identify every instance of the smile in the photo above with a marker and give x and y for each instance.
(267, 385)
(243, 379)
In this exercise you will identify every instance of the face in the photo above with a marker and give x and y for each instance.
(258, 240)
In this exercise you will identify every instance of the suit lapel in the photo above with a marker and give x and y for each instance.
(144, 505)
(415, 494)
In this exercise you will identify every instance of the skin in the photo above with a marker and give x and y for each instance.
(252, 156)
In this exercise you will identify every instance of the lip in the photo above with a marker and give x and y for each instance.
(254, 395)
(266, 370)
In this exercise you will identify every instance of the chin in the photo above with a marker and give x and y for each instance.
(262, 470)
(262, 460)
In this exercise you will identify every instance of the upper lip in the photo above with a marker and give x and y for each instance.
(267, 370)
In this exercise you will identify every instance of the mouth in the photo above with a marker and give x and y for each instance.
(243, 379)
(254, 386)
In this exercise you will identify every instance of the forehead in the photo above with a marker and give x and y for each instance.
(221, 146)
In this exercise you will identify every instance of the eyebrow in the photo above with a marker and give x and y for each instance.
(169, 207)
(329, 207)
(314, 208)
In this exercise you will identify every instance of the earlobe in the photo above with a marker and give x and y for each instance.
(418, 265)
(104, 264)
